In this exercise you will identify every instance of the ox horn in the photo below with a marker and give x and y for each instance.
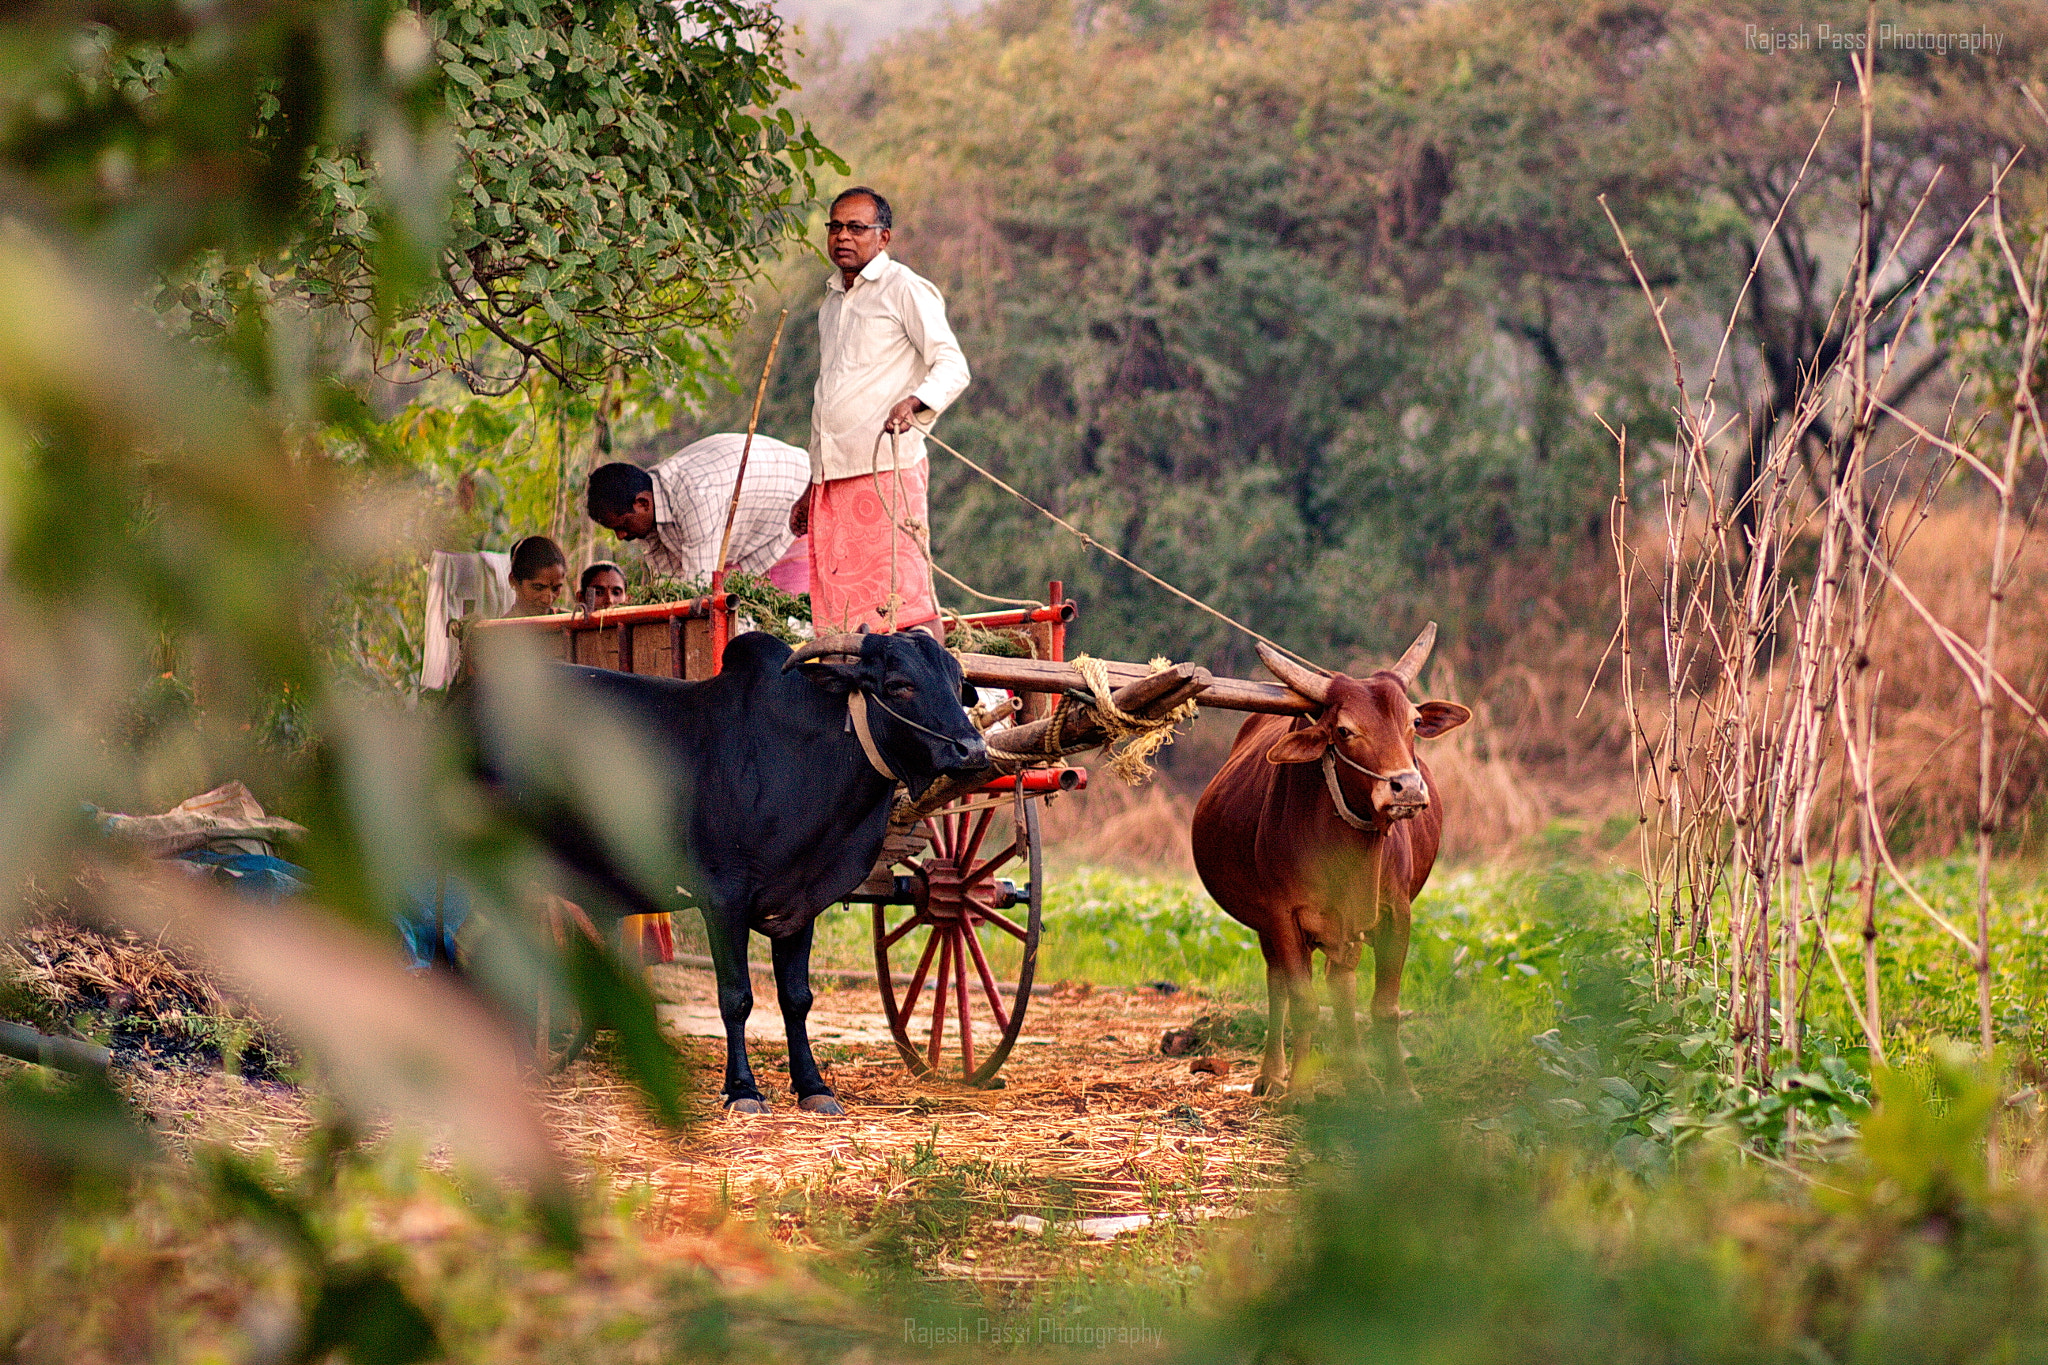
(825, 646)
(1315, 686)
(1410, 664)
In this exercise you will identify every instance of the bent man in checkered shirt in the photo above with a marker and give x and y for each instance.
(678, 508)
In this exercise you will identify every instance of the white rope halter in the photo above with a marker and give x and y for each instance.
(1344, 811)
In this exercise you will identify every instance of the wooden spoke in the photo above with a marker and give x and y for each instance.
(1004, 923)
(988, 979)
(974, 878)
(917, 979)
(945, 942)
(953, 899)
(946, 832)
(967, 848)
(966, 1016)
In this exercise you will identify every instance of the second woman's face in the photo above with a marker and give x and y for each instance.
(536, 595)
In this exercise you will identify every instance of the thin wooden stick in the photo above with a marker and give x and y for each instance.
(760, 392)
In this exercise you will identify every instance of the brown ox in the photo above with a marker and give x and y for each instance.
(1318, 833)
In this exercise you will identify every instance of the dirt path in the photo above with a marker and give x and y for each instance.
(1088, 1109)
(1091, 1122)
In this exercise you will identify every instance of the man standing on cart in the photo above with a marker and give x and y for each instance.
(888, 365)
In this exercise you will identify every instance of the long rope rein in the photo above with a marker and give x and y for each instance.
(1092, 543)
(1139, 737)
(900, 527)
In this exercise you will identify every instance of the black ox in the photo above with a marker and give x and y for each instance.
(784, 811)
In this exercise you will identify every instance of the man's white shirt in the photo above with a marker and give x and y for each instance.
(693, 488)
(883, 340)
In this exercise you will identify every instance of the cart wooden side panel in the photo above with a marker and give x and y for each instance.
(660, 639)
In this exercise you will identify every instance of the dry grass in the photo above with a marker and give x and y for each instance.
(1926, 758)
(1094, 1111)
(1113, 825)
(1539, 748)
(178, 1274)
(143, 997)
(67, 968)
(1926, 751)
(1092, 1121)
(1534, 750)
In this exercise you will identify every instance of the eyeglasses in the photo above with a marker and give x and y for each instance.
(850, 229)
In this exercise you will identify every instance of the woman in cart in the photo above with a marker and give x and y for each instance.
(539, 569)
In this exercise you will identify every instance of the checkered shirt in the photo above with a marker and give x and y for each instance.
(693, 488)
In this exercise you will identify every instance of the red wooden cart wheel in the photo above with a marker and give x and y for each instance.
(561, 1032)
(965, 938)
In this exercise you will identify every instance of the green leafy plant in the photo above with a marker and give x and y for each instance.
(1644, 1069)
(553, 187)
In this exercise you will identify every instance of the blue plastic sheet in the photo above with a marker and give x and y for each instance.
(257, 876)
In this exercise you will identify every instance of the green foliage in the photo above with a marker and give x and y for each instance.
(1312, 307)
(1980, 316)
(1927, 983)
(166, 496)
(517, 185)
(1642, 1069)
(357, 1304)
(107, 116)
(1924, 1148)
(1415, 1244)
(63, 1138)
(784, 615)
(1647, 1067)
(619, 1001)
(1116, 930)
(622, 168)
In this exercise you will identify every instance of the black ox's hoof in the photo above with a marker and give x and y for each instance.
(746, 1106)
(824, 1106)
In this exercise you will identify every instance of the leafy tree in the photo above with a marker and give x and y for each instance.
(1731, 160)
(158, 502)
(555, 186)
(1189, 262)
(1310, 306)
(622, 170)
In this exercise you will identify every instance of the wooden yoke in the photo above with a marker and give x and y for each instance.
(1012, 750)
(1042, 675)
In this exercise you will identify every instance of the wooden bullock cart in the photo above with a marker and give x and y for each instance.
(955, 930)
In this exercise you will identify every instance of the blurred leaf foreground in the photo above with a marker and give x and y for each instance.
(225, 233)
(232, 239)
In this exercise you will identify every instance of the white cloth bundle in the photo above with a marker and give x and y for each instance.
(459, 584)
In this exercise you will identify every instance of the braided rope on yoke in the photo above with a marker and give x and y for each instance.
(1140, 736)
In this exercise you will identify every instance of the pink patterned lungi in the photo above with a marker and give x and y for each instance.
(792, 572)
(868, 551)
